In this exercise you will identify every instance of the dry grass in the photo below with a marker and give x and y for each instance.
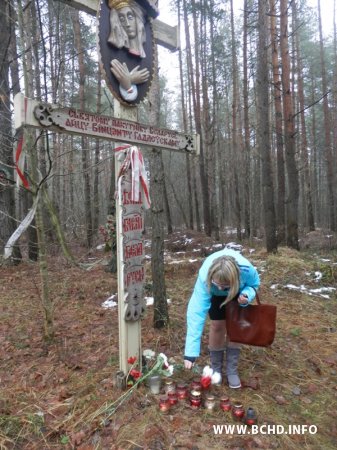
(57, 397)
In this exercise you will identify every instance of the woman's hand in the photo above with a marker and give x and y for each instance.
(188, 364)
(243, 299)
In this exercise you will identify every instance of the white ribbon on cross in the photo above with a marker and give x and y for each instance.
(139, 180)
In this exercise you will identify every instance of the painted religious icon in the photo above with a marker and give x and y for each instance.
(126, 47)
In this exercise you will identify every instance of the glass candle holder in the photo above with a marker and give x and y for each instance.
(225, 404)
(210, 402)
(154, 383)
(170, 386)
(195, 399)
(250, 417)
(182, 391)
(237, 411)
(164, 404)
(196, 384)
(172, 397)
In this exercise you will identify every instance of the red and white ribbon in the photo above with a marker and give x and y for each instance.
(20, 157)
(139, 181)
(20, 164)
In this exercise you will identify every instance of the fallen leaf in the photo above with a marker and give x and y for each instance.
(312, 388)
(77, 438)
(252, 383)
(280, 400)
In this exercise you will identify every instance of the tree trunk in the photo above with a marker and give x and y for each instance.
(196, 96)
(277, 88)
(160, 316)
(185, 126)
(263, 138)
(84, 141)
(327, 130)
(289, 133)
(304, 142)
(95, 218)
(236, 153)
(7, 186)
(246, 125)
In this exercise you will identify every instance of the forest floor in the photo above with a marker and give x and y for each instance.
(54, 397)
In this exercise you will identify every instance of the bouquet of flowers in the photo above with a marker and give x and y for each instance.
(153, 366)
(209, 377)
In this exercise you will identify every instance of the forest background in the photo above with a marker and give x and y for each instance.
(259, 85)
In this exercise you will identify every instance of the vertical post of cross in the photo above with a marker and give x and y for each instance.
(129, 331)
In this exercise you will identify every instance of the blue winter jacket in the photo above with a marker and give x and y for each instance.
(200, 301)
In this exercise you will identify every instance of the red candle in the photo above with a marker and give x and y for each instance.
(195, 399)
(164, 404)
(196, 384)
(237, 411)
(182, 391)
(225, 404)
(172, 398)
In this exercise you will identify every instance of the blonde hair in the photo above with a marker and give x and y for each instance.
(225, 270)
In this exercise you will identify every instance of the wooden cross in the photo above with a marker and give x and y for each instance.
(129, 214)
(123, 127)
(165, 35)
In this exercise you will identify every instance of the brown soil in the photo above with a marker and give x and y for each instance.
(51, 395)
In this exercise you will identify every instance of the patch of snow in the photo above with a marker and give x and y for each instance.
(110, 302)
(317, 292)
(234, 246)
(323, 289)
(150, 301)
(318, 276)
(292, 287)
(100, 247)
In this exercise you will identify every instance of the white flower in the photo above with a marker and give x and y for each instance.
(170, 369)
(216, 378)
(165, 360)
(149, 354)
(207, 371)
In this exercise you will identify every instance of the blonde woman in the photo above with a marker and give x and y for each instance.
(224, 275)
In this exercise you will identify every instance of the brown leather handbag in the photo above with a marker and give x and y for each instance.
(252, 324)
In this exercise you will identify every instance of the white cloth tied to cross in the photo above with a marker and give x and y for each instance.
(139, 180)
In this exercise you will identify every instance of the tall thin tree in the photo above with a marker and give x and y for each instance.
(289, 134)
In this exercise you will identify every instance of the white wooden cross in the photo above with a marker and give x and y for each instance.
(123, 127)
(129, 214)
